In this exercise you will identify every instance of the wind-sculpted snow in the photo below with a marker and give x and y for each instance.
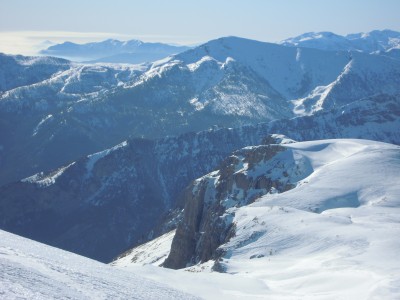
(339, 221)
(30, 270)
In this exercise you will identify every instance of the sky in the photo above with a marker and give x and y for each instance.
(25, 25)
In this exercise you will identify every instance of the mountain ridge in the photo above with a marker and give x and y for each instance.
(242, 82)
(113, 51)
(369, 42)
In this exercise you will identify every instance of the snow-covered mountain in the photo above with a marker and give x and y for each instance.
(17, 70)
(113, 51)
(374, 41)
(377, 40)
(30, 270)
(320, 40)
(306, 219)
(283, 219)
(106, 202)
(227, 82)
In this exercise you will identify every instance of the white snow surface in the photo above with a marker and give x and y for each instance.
(152, 253)
(39, 125)
(31, 270)
(41, 180)
(93, 158)
(334, 236)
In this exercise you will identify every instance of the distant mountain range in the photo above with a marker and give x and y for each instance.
(374, 41)
(136, 51)
(113, 51)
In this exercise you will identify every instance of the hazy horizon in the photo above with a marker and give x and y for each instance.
(24, 26)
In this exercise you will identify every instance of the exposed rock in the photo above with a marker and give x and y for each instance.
(243, 177)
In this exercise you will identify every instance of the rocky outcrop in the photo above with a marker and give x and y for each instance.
(243, 177)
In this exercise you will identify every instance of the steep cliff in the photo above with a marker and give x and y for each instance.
(243, 177)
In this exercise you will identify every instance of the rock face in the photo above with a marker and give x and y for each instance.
(243, 177)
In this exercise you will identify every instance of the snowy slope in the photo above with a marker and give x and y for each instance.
(18, 70)
(30, 270)
(151, 253)
(332, 236)
(364, 75)
(320, 40)
(376, 40)
(291, 72)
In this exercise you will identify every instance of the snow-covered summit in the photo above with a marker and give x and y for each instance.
(320, 40)
(377, 40)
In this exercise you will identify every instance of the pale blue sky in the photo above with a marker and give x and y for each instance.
(191, 21)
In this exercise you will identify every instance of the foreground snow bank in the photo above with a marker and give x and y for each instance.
(31, 270)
